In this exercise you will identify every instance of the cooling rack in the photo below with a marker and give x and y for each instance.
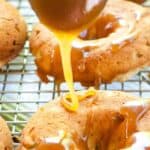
(21, 92)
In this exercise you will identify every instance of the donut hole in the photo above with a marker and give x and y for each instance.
(103, 27)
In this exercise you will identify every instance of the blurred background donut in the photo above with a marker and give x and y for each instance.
(13, 32)
(5, 136)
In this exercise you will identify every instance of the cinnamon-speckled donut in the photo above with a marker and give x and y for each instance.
(113, 48)
(104, 121)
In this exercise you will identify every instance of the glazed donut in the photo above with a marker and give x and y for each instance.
(13, 32)
(104, 121)
(5, 136)
(113, 48)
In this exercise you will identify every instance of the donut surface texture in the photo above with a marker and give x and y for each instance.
(116, 46)
(98, 124)
(13, 32)
(5, 136)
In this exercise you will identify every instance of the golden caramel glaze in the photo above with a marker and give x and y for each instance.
(102, 60)
(5, 136)
(13, 32)
(100, 122)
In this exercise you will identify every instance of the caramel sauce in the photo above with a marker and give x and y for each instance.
(46, 146)
(138, 1)
(67, 18)
(133, 112)
(105, 25)
(67, 15)
(122, 136)
(116, 47)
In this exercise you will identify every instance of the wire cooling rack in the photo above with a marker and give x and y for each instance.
(21, 91)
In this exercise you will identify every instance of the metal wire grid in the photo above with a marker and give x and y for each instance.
(21, 91)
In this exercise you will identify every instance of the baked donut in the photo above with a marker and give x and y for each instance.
(5, 136)
(104, 121)
(13, 32)
(113, 48)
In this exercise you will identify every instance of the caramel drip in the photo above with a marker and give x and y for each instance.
(46, 146)
(138, 1)
(116, 47)
(133, 112)
(65, 41)
(105, 25)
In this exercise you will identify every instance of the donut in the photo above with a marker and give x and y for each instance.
(5, 136)
(107, 120)
(115, 47)
(13, 32)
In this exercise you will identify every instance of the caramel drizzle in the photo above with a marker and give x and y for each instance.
(134, 111)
